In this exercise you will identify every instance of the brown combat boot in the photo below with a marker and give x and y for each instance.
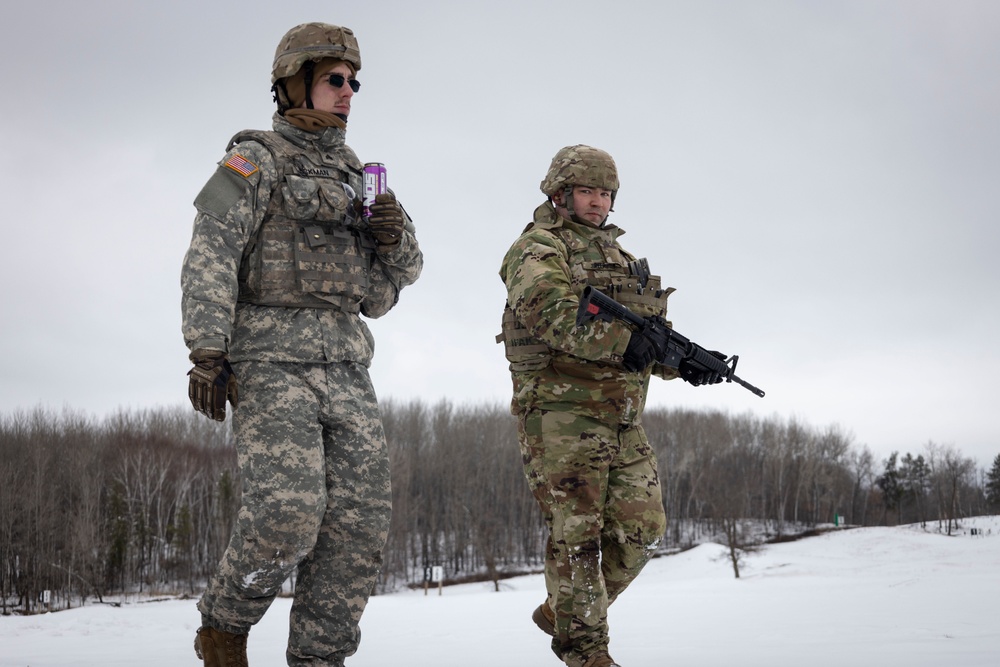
(545, 619)
(220, 649)
(601, 659)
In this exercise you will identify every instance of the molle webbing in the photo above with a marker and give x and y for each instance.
(522, 350)
(307, 253)
(648, 300)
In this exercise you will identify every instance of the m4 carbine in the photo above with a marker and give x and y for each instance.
(676, 348)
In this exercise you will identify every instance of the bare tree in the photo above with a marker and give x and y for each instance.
(951, 475)
(861, 462)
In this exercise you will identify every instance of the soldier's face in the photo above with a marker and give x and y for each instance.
(329, 98)
(591, 205)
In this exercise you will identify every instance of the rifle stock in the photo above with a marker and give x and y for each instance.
(677, 348)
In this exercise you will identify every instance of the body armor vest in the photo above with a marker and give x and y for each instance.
(618, 274)
(311, 250)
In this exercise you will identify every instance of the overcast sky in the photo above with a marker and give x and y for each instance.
(819, 180)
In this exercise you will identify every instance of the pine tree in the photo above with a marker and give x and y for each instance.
(915, 483)
(993, 484)
(889, 483)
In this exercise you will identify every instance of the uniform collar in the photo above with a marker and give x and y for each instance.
(327, 138)
(547, 218)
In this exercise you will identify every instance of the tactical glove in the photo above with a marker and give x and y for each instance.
(387, 220)
(698, 375)
(642, 350)
(210, 383)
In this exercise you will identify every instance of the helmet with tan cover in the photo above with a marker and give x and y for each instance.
(581, 165)
(313, 42)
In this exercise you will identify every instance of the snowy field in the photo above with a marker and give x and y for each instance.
(859, 597)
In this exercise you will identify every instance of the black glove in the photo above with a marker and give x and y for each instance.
(210, 383)
(642, 350)
(387, 220)
(698, 375)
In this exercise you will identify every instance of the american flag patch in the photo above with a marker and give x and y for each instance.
(241, 165)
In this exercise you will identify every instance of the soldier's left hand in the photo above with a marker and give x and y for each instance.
(387, 220)
(698, 375)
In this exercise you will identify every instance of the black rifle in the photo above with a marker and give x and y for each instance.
(677, 348)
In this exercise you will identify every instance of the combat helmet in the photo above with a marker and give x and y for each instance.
(305, 45)
(581, 165)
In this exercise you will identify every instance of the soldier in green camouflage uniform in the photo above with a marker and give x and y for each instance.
(282, 264)
(578, 396)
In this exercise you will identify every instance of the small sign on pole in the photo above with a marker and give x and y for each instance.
(433, 573)
(438, 575)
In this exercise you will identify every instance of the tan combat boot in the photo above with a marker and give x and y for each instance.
(220, 649)
(545, 619)
(601, 659)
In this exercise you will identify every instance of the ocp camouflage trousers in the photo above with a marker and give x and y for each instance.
(316, 502)
(599, 492)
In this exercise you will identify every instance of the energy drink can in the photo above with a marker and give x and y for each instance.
(374, 173)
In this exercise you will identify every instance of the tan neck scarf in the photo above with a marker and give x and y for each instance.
(312, 120)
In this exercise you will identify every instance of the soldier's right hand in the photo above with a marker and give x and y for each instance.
(211, 383)
(642, 350)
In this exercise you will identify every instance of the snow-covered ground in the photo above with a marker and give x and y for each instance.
(859, 597)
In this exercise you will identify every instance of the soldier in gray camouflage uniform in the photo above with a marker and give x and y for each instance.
(578, 396)
(282, 264)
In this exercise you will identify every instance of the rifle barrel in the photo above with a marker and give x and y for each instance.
(747, 385)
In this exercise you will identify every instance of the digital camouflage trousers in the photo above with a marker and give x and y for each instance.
(316, 503)
(599, 491)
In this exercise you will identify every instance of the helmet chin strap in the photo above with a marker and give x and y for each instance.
(568, 202)
(308, 67)
(280, 96)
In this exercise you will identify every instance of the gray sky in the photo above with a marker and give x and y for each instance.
(817, 179)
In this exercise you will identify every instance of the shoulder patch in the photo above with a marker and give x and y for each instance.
(221, 192)
(241, 165)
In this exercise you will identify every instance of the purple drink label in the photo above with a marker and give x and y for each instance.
(375, 183)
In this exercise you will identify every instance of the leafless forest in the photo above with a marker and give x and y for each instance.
(142, 502)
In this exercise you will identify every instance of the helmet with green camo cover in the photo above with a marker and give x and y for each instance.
(305, 45)
(581, 165)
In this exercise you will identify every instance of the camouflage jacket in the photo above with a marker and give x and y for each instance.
(230, 210)
(577, 369)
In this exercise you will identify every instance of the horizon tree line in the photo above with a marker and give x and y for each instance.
(143, 502)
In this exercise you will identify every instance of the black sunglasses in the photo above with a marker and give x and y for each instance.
(337, 81)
